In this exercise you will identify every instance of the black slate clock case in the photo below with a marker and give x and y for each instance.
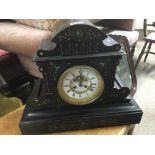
(78, 44)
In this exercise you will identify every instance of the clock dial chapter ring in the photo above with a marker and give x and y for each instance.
(80, 85)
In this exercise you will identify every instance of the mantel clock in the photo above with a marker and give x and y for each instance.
(79, 89)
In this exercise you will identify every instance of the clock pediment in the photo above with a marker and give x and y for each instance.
(78, 39)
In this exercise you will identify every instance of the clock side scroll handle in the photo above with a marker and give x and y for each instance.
(45, 48)
(125, 44)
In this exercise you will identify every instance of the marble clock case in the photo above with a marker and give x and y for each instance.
(78, 44)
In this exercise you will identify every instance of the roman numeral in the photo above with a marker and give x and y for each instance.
(92, 78)
(73, 74)
(93, 83)
(80, 71)
(68, 91)
(91, 89)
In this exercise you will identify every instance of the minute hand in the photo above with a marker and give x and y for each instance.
(81, 78)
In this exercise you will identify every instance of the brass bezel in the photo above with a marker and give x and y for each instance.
(84, 101)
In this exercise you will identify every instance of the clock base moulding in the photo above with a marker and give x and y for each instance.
(45, 120)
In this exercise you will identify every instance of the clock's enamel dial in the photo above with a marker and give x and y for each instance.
(80, 85)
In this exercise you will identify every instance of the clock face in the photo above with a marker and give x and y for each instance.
(80, 85)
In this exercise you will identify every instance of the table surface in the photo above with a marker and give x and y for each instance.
(9, 125)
